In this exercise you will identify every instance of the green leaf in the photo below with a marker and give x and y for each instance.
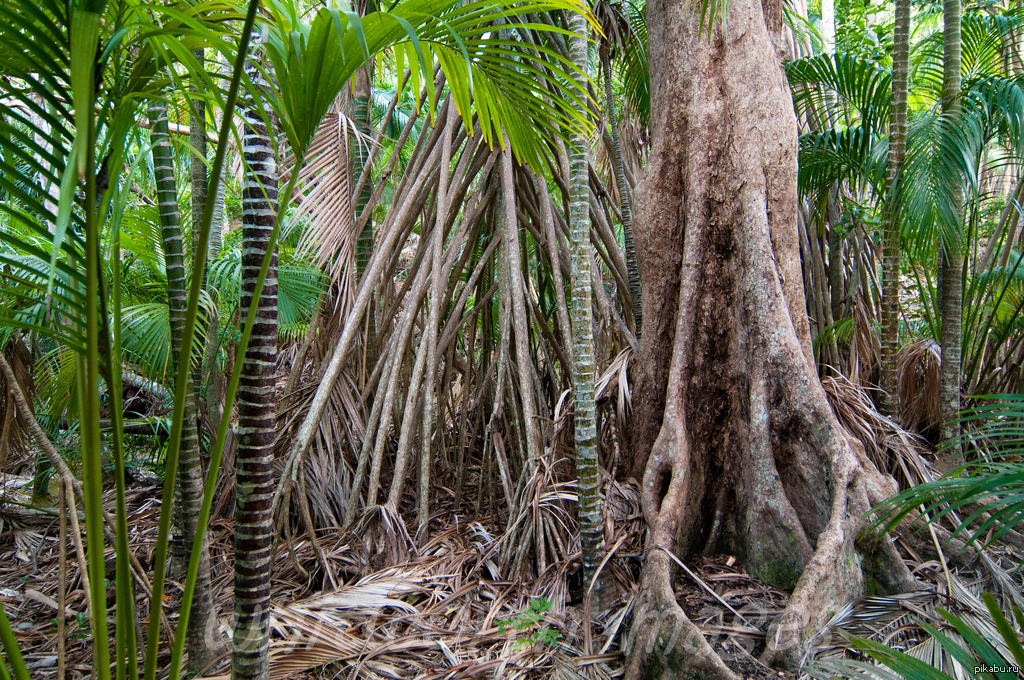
(85, 34)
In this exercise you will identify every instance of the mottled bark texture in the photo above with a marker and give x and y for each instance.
(891, 234)
(588, 477)
(257, 410)
(748, 458)
(625, 203)
(202, 640)
(360, 151)
(951, 259)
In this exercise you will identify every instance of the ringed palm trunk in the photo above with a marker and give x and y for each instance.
(588, 479)
(201, 638)
(360, 152)
(891, 234)
(257, 410)
(200, 187)
(624, 200)
(950, 257)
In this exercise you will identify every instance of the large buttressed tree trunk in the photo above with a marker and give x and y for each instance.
(746, 456)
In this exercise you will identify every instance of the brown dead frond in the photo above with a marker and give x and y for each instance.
(327, 468)
(918, 385)
(895, 620)
(614, 384)
(865, 347)
(383, 536)
(324, 195)
(892, 449)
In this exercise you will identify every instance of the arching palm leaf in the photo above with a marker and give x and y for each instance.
(485, 75)
(942, 153)
(635, 72)
(841, 90)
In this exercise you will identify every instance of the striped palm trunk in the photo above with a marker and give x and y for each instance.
(951, 260)
(624, 201)
(891, 232)
(588, 479)
(360, 151)
(200, 188)
(201, 638)
(257, 410)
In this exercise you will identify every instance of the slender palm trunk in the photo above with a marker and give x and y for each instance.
(360, 152)
(951, 261)
(201, 638)
(828, 25)
(200, 188)
(891, 233)
(588, 479)
(257, 410)
(624, 200)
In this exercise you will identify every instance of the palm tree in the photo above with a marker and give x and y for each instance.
(506, 97)
(254, 479)
(951, 260)
(891, 234)
(87, 142)
(614, 23)
(499, 99)
(588, 478)
(189, 495)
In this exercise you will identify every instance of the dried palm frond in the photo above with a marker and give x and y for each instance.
(324, 194)
(865, 347)
(367, 597)
(614, 384)
(917, 376)
(326, 470)
(891, 448)
(914, 623)
(625, 514)
(383, 536)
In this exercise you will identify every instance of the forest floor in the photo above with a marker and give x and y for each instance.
(449, 610)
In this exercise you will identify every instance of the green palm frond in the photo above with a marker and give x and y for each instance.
(841, 90)
(299, 287)
(984, 38)
(954, 646)
(1012, 273)
(844, 98)
(991, 491)
(55, 374)
(490, 77)
(635, 71)
(853, 155)
(146, 337)
(940, 169)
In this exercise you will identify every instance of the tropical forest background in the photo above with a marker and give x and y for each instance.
(318, 324)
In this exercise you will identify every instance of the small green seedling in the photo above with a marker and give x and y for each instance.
(529, 621)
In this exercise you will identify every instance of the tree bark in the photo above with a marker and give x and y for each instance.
(201, 637)
(360, 153)
(625, 204)
(257, 410)
(891, 234)
(588, 477)
(951, 260)
(749, 459)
